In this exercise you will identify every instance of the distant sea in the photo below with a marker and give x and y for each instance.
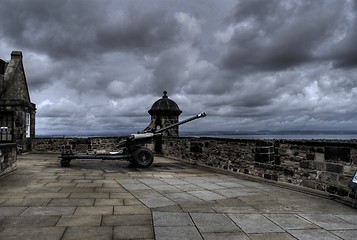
(287, 137)
(278, 136)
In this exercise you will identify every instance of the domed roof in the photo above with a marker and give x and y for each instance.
(165, 106)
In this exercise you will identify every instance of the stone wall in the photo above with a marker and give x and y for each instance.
(79, 145)
(326, 166)
(7, 157)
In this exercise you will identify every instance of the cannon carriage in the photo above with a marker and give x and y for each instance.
(131, 148)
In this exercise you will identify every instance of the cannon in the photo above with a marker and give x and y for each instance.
(131, 147)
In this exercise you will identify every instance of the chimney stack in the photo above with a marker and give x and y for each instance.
(16, 55)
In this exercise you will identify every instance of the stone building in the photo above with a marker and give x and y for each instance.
(164, 112)
(17, 112)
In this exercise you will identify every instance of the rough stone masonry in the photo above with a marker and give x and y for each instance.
(323, 166)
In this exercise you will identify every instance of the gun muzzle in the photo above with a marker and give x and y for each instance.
(201, 115)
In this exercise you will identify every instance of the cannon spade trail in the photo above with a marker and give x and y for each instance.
(131, 148)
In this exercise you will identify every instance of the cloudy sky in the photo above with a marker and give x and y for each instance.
(97, 66)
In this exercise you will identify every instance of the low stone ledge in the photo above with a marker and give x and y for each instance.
(8, 158)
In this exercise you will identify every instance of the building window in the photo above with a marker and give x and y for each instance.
(28, 125)
(6, 126)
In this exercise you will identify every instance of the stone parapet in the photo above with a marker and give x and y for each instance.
(325, 166)
(79, 145)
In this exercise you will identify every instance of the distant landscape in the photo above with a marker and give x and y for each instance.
(261, 134)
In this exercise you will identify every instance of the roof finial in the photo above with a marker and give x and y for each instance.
(165, 95)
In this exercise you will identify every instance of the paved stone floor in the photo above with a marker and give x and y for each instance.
(170, 200)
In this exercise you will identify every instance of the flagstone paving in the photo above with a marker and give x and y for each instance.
(170, 200)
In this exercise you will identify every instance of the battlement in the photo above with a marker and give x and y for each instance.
(322, 166)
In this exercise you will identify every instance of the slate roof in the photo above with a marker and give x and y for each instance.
(13, 84)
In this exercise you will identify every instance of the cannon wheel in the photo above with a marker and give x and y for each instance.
(65, 162)
(143, 157)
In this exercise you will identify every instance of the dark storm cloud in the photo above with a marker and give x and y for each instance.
(135, 30)
(275, 35)
(345, 54)
(344, 51)
(80, 29)
(95, 66)
(78, 37)
(55, 28)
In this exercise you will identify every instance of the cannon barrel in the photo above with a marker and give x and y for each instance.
(200, 115)
(144, 135)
